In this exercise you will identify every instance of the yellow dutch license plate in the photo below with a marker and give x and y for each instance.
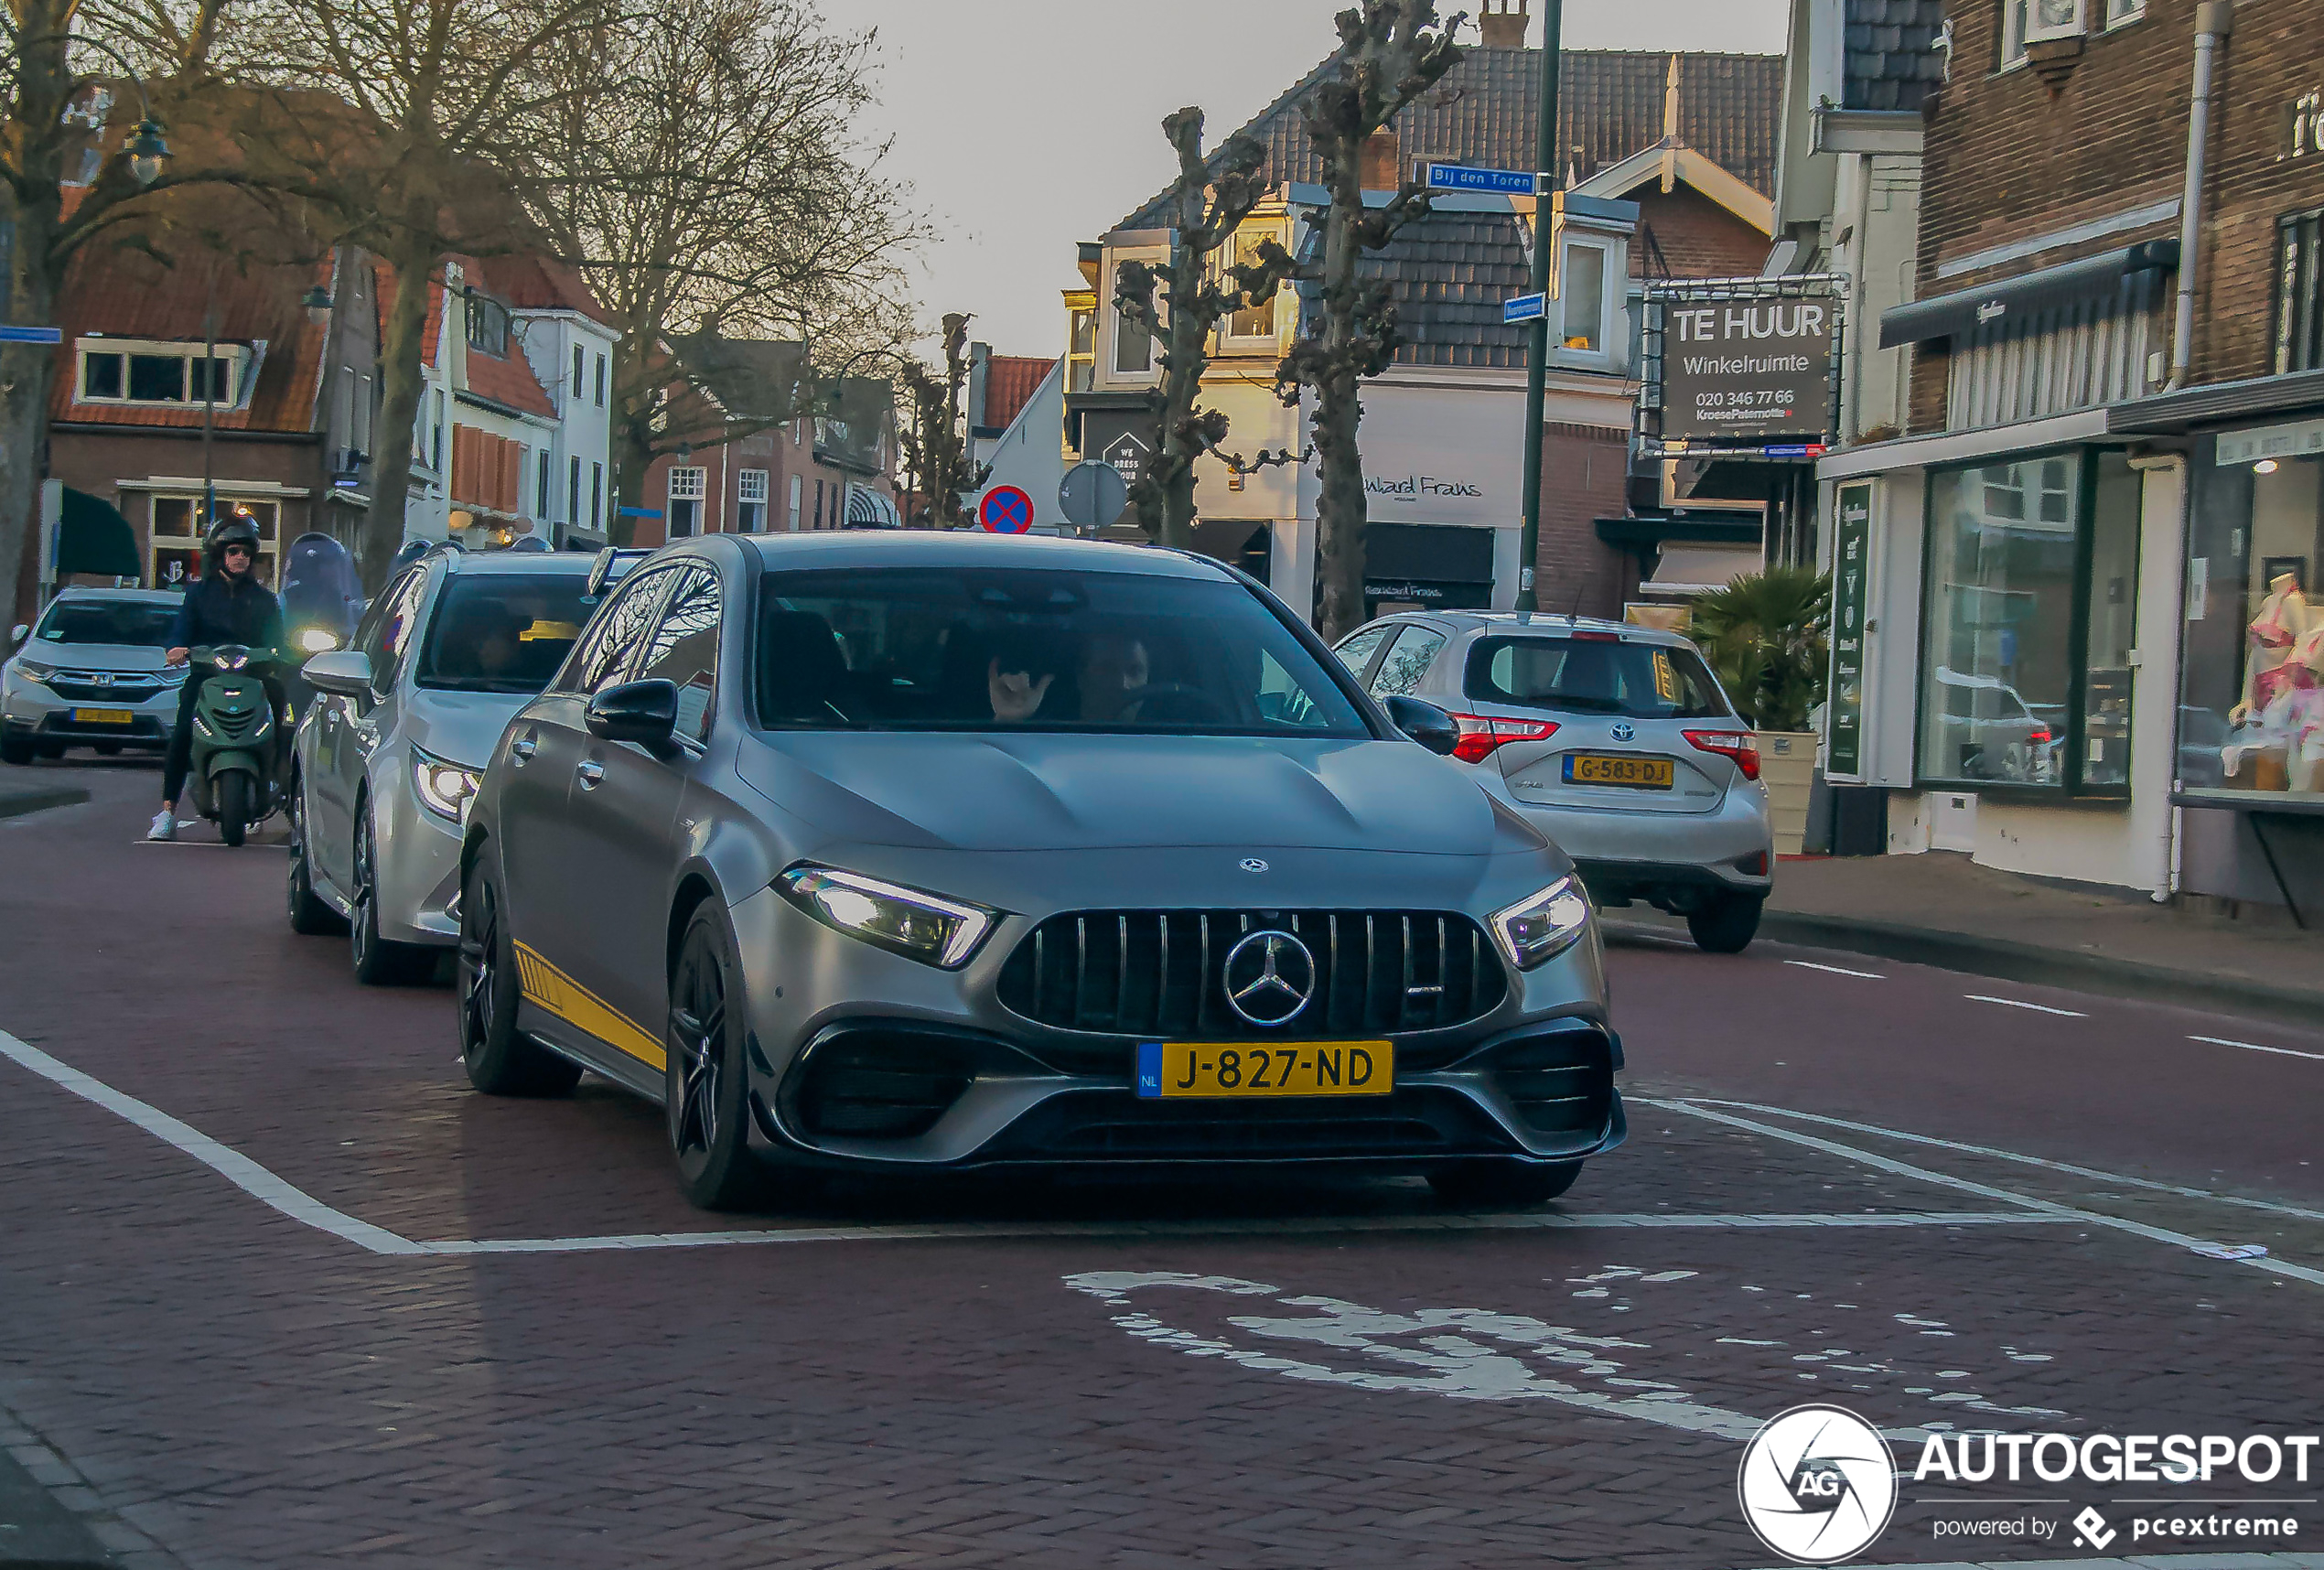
(1219, 1069)
(102, 717)
(1638, 773)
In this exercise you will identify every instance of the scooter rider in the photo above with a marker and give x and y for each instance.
(226, 604)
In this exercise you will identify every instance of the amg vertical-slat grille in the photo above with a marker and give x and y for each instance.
(1159, 973)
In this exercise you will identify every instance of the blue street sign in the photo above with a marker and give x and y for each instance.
(31, 334)
(1499, 182)
(1524, 309)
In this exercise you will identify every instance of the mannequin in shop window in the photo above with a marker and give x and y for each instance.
(2283, 619)
(2280, 721)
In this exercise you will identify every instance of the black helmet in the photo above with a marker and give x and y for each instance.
(237, 529)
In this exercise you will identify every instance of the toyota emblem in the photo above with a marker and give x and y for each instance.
(1625, 731)
(1269, 978)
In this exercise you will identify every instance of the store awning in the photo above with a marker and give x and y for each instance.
(93, 537)
(2012, 298)
(870, 510)
(1698, 569)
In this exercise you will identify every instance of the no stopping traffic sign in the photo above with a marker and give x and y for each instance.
(1005, 510)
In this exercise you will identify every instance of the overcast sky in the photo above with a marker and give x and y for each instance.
(1025, 126)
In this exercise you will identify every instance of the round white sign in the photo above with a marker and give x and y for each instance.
(1818, 1484)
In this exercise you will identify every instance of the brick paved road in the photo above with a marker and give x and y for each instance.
(1024, 1375)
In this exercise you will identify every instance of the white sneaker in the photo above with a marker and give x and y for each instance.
(165, 826)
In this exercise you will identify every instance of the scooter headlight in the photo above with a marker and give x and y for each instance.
(229, 661)
(444, 787)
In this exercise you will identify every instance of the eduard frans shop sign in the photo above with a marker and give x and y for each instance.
(1742, 370)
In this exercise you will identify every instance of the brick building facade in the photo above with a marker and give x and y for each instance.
(2090, 553)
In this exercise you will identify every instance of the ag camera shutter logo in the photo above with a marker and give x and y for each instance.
(1817, 1484)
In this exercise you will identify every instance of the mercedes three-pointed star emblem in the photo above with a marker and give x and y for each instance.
(1269, 977)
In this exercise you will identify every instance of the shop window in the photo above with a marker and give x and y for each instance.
(2032, 617)
(2251, 715)
(174, 546)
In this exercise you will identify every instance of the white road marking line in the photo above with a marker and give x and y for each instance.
(2255, 1047)
(2013, 1003)
(1985, 1190)
(1836, 971)
(2042, 1161)
(232, 1165)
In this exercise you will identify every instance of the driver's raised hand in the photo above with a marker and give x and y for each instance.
(1016, 696)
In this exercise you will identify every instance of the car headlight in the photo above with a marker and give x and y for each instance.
(35, 669)
(444, 787)
(316, 640)
(172, 675)
(1538, 929)
(908, 921)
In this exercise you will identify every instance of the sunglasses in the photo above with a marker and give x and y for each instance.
(235, 550)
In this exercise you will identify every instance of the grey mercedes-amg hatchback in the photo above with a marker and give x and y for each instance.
(932, 851)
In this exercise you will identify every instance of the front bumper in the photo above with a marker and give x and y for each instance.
(937, 1074)
(30, 709)
(417, 859)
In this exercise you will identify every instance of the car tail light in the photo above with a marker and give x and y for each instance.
(2039, 735)
(1481, 737)
(1595, 637)
(1738, 746)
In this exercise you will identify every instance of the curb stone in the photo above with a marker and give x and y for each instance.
(17, 800)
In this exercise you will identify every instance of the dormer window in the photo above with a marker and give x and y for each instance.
(488, 327)
(131, 372)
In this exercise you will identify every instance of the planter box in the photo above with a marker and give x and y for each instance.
(1787, 766)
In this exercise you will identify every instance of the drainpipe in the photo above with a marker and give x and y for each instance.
(2215, 20)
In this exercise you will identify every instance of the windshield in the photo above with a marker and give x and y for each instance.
(141, 624)
(1117, 653)
(502, 632)
(1595, 675)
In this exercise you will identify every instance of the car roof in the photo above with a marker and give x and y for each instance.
(533, 563)
(1539, 624)
(968, 548)
(134, 595)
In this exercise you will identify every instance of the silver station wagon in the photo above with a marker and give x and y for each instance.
(923, 852)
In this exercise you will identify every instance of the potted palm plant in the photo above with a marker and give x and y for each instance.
(1767, 637)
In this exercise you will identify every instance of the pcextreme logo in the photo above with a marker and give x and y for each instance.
(1817, 1484)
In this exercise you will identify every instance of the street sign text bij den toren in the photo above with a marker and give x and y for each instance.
(1744, 370)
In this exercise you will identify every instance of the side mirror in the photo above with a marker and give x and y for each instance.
(1425, 724)
(343, 672)
(645, 713)
(17, 634)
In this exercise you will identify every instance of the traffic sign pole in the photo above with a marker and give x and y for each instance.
(1537, 366)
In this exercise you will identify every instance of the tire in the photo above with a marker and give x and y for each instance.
(51, 751)
(1728, 924)
(1503, 1182)
(378, 961)
(705, 1099)
(233, 806)
(309, 916)
(500, 1061)
(16, 751)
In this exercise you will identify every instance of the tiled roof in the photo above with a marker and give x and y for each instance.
(1448, 275)
(538, 283)
(1892, 61)
(508, 381)
(1610, 104)
(1010, 381)
(127, 294)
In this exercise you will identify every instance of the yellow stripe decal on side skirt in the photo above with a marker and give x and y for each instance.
(547, 988)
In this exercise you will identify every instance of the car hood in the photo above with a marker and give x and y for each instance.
(460, 727)
(93, 656)
(1066, 792)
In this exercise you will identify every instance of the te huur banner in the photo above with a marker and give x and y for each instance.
(1851, 580)
(1748, 370)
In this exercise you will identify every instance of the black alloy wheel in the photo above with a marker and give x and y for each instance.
(705, 1090)
(501, 1060)
(309, 916)
(1503, 1182)
(378, 961)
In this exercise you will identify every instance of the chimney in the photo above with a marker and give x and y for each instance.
(1504, 23)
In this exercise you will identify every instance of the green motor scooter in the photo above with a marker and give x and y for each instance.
(241, 737)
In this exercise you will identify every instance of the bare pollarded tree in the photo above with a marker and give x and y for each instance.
(1207, 204)
(938, 471)
(1391, 52)
(718, 191)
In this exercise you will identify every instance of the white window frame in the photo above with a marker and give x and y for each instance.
(1108, 365)
(241, 360)
(266, 511)
(797, 495)
(751, 491)
(1611, 274)
(2018, 28)
(1271, 340)
(2123, 12)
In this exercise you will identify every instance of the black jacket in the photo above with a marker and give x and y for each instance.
(219, 609)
